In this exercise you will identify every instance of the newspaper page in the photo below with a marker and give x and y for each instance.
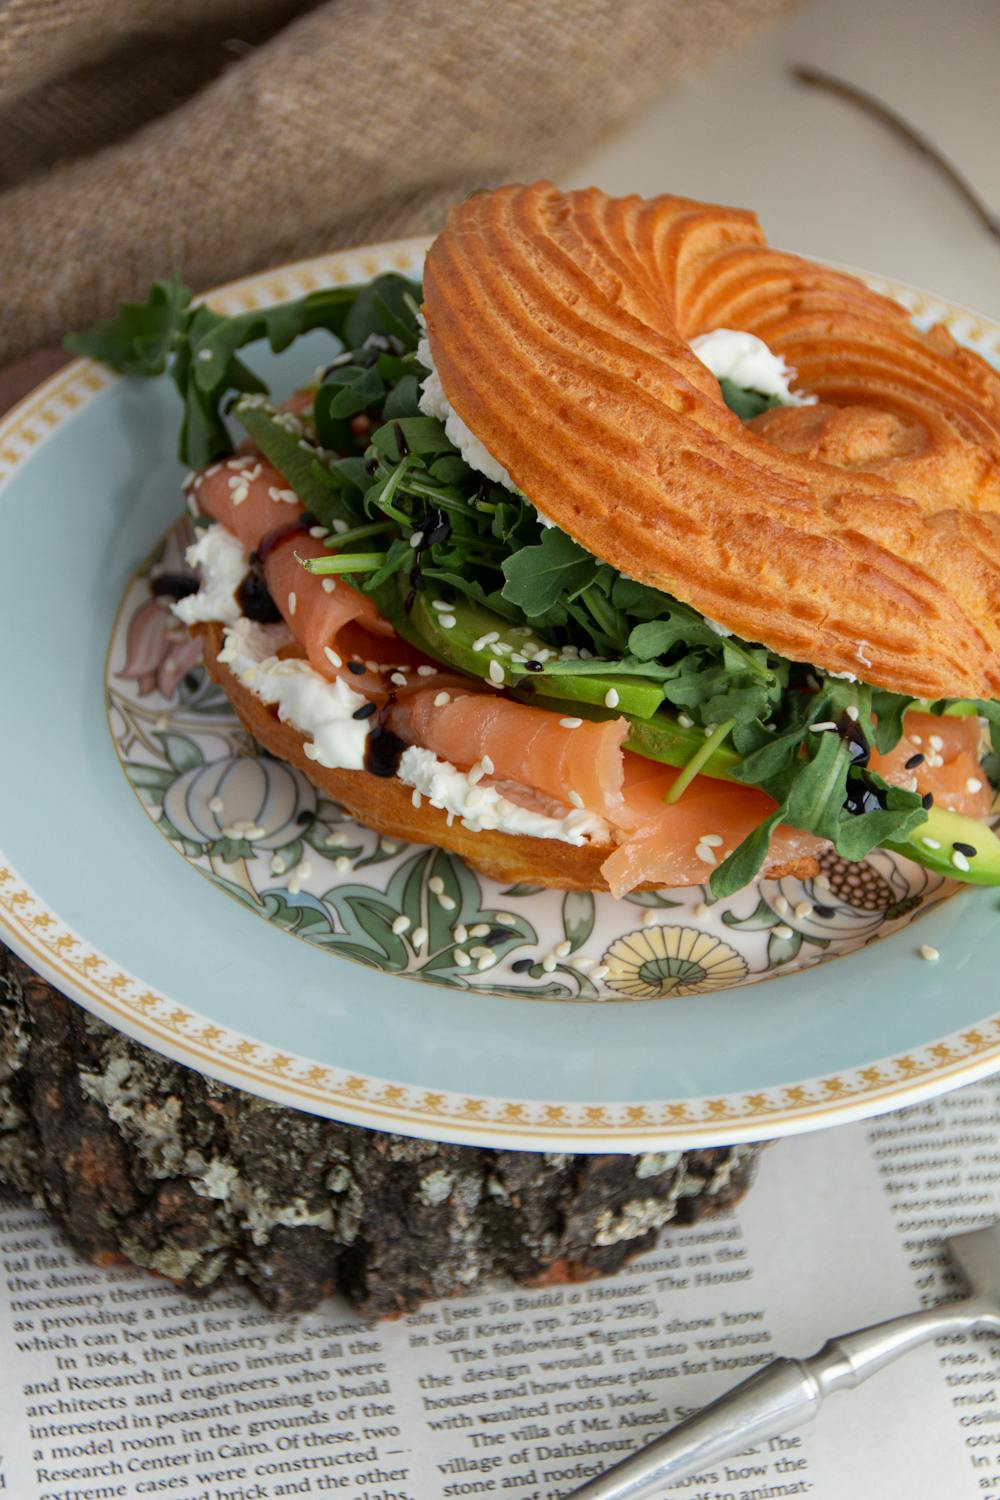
(115, 1384)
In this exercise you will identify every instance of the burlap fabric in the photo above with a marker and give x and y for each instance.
(215, 137)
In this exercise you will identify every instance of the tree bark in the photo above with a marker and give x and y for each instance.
(141, 1159)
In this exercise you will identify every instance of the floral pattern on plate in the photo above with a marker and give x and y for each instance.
(263, 834)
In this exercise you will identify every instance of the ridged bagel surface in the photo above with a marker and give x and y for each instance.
(559, 325)
(385, 804)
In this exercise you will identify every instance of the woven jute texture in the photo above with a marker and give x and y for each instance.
(214, 137)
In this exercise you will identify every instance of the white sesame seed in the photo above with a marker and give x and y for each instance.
(487, 765)
(973, 785)
(927, 952)
(935, 741)
(780, 904)
(204, 354)
(495, 673)
(611, 698)
(342, 864)
(822, 727)
(418, 937)
(601, 972)
(549, 963)
(486, 640)
(401, 925)
(934, 760)
(685, 721)
(215, 804)
(435, 885)
(575, 798)
(462, 959)
(481, 929)
(713, 840)
(399, 678)
(706, 855)
(299, 876)
(447, 622)
(373, 666)
(960, 861)
(340, 527)
(502, 648)
(329, 584)
(702, 910)
(821, 881)
(440, 604)
(240, 494)
(486, 961)
(563, 949)
(782, 930)
(440, 699)
(930, 843)
(648, 917)
(416, 798)
(426, 671)
(213, 469)
(585, 962)
(475, 774)
(571, 723)
(506, 917)
(389, 846)
(292, 603)
(803, 909)
(416, 538)
(335, 840)
(480, 951)
(460, 932)
(277, 865)
(447, 903)
(916, 739)
(319, 532)
(853, 712)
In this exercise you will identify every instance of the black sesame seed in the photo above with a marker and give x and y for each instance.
(533, 666)
(365, 711)
(305, 818)
(969, 850)
(357, 667)
(927, 801)
(402, 445)
(522, 965)
(371, 464)
(914, 761)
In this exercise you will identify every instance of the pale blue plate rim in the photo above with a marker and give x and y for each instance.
(94, 899)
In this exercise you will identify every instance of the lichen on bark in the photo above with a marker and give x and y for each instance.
(142, 1159)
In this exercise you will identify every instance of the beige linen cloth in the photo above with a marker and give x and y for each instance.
(215, 137)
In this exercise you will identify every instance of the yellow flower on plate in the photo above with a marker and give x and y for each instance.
(657, 961)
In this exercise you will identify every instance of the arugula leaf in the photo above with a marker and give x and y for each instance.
(538, 577)
(303, 470)
(141, 335)
(743, 865)
(746, 403)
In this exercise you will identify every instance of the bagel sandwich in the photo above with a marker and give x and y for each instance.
(625, 552)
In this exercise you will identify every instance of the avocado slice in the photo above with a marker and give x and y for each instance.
(466, 645)
(945, 829)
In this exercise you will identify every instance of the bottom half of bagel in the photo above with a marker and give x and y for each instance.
(385, 804)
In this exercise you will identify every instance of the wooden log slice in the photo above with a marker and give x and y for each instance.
(143, 1160)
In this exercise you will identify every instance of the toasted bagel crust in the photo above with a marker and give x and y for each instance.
(385, 804)
(560, 326)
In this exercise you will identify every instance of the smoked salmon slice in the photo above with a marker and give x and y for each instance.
(679, 844)
(576, 762)
(950, 768)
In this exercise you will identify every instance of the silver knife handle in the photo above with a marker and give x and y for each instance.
(784, 1394)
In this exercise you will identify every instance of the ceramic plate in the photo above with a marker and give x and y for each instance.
(206, 900)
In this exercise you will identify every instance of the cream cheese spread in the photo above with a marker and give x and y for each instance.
(746, 360)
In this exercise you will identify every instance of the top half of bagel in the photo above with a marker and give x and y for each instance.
(862, 534)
